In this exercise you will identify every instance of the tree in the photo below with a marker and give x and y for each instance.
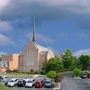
(84, 62)
(54, 64)
(76, 63)
(77, 72)
(68, 60)
(51, 74)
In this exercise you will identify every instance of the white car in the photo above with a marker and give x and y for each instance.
(30, 83)
(12, 82)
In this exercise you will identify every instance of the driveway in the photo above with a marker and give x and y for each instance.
(68, 83)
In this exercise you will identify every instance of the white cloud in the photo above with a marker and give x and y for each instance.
(41, 38)
(3, 3)
(82, 52)
(52, 8)
(3, 53)
(5, 40)
(5, 26)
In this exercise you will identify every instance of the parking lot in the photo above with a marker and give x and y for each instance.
(16, 88)
(69, 83)
(32, 88)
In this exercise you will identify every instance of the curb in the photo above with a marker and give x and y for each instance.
(77, 78)
(58, 88)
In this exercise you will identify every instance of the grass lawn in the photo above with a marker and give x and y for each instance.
(17, 75)
(2, 87)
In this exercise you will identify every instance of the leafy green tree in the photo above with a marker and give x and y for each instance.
(68, 60)
(77, 72)
(76, 63)
(54, 64)
(84, 62)
(51, 74)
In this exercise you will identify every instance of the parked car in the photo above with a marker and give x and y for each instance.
(21, 83)
(39, 84)
(6, 81)
(30, 83)
(12, 82)
(26, 79)
(48, 83)
(2, 78)
(84, 75)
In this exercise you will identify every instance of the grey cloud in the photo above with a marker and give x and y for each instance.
(44, 8)
(5, 40)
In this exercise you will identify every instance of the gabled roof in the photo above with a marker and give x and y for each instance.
(41, 48)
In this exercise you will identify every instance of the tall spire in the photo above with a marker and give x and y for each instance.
(34, 36)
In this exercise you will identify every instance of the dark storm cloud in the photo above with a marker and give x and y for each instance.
(48, 9)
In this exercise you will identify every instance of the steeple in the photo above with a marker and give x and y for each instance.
(34, 35)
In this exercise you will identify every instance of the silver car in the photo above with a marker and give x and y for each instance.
(49, 83)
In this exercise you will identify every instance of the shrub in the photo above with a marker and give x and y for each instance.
(58, 77)
(27, 73)
(51, 74)
(43, 72)
(36, 72)
(32, 71)
(88, 74)
(77, 72)
(8, 71)
(15, 71)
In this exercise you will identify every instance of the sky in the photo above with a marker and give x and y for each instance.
(60, 24)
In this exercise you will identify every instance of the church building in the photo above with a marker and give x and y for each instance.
(34, 55)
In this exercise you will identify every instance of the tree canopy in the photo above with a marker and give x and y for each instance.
(84, 62)
(54, 64)
(68, 59)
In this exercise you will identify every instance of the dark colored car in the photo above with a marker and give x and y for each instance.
(84, 75)
(49, 83)
(21, 83)
(3, 78)
(0, 78)
(39, 84)
(6, 81)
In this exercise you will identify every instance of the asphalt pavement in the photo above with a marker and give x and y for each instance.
(16, 88)
(69, 83)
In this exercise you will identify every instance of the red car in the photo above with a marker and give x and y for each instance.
(39, 84)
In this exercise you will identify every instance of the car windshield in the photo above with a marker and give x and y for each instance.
(20, 81)
(11, 80)
(48, 81)
(29, 81)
